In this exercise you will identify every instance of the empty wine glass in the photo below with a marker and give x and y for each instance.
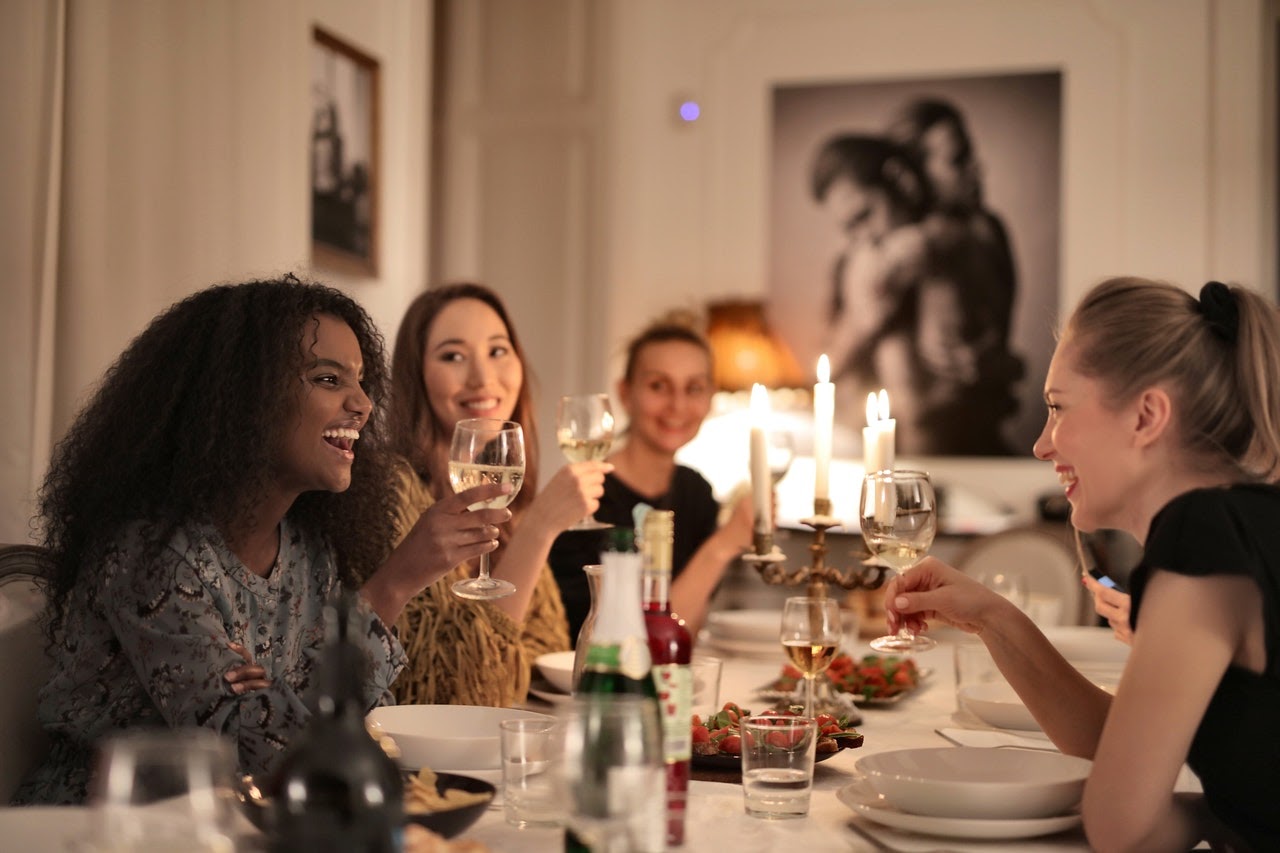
(486, 450)
(164, 790)
(810, 634)
(780, 452)
(584, 429)
(899, 517)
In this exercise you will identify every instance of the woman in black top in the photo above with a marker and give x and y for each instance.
(1163, 422)
(666, 392)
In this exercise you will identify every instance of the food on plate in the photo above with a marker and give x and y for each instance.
(871, 677)
(421, 796)
(719, 733)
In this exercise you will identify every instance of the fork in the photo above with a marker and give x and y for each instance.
(881, 847)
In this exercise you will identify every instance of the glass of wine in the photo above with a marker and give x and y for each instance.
(584, 429)
(810, 635)
(899, 516)
(486, 450)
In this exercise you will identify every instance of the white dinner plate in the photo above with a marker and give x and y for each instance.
(742, 648)
(554, 697)
(996, 704)
(867, 804)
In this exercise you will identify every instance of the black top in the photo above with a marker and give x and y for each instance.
(689, 497)
(1236, 750)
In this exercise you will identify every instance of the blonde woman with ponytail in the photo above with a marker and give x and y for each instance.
(1164, 422)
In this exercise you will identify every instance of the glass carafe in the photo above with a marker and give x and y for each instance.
(588, 624)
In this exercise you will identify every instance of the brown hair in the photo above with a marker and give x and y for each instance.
(417, 433)
(1134, 333)
(672, 326)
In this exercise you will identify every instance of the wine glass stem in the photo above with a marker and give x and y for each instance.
(484, 566)
(808, 695)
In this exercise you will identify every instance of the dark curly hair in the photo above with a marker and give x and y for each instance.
(417, 433)
(186, 426)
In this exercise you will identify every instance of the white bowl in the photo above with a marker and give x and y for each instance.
(446, 738)
(997, 704)
(557, 667)
(977, 783)
(1084, 645)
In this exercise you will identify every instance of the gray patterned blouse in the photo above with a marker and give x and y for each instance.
(154, 651)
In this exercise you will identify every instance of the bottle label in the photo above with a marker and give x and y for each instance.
(674, 683)
(633, 658)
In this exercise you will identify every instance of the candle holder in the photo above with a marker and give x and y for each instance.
(769, 560)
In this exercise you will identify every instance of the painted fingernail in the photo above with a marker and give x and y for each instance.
(900, 602)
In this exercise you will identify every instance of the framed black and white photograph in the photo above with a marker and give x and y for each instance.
(914, 240)
(344, 157)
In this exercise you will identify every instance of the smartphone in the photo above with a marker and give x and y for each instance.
(1103, 578)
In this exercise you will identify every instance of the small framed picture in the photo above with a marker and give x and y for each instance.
(344, 156)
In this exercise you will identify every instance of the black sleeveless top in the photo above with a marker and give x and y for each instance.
(1236, 749)
(691, 499)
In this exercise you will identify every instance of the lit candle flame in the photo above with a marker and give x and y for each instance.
(824, 368)
(877, 407)
(759, 405)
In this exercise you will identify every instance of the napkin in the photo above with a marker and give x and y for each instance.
(992, 738)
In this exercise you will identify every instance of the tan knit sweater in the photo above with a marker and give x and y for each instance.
(469, 652)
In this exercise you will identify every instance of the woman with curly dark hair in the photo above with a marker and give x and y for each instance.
(457, 356)
(203, 508)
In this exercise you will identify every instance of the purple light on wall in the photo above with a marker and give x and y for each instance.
(689, 111)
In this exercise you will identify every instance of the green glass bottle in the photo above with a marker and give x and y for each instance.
(618, 659)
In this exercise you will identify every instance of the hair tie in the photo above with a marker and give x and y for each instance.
(1220, 309)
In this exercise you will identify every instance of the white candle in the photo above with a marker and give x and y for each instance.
(761, 482)
(879, 435)
(824, 413)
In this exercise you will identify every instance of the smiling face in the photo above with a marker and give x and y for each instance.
(332, 407)
(470, 367)
(668, 394)
(1090, 444)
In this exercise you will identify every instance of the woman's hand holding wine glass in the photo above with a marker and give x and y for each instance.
(899, 517)
(810, 634)
(584, 430)
(485, 450)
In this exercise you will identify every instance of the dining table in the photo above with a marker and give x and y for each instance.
(716, 819)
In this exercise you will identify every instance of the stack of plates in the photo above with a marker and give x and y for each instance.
(968, 792)
(755, 633)
(744, 633)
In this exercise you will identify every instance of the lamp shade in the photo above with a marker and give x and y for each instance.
(746, 351)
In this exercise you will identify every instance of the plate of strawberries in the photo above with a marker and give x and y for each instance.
(869, 680)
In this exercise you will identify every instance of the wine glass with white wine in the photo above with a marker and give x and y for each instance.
(810, 634)
(899, 516)
(486, 450)
(584, 429)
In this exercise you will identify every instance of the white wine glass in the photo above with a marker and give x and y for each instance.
(810, 634)
(584, 430)
(164, 790)
(899, 517)
(486, 450)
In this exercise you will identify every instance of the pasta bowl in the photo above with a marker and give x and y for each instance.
(445, 738)
(977, 783)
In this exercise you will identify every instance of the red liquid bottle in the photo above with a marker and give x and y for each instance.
(670, 646)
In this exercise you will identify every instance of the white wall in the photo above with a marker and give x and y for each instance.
(1168, 163)
(186, 163)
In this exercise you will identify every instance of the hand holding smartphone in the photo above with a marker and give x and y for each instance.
(1103, 578)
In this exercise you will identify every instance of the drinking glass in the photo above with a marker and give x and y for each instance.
(899, 516)
(162, 790)
(486, 450)
(584, 429)
(810, 635)
(614, 773)
(530, 758)
(780, 453)
(777, 765)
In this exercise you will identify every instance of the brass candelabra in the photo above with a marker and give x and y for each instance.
(770, 562)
